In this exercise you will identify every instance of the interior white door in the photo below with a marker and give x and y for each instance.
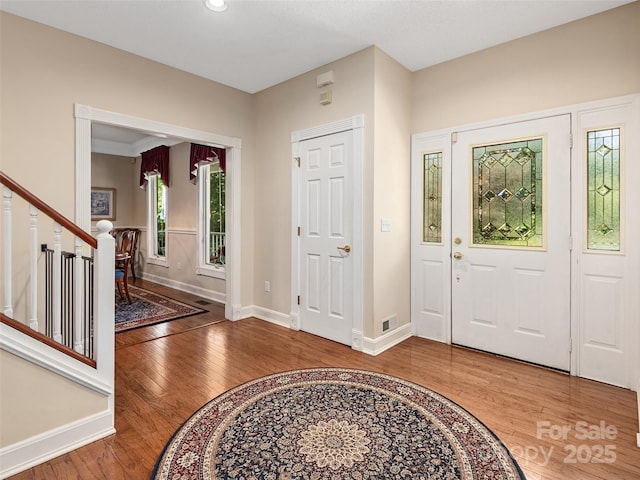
(326, 230)
(511, 254)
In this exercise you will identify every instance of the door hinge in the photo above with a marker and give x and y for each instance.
(454, 137)
(297, 160)
(570, 345)
(571, 140)
(570, 244)
(298, 231)
(298, 299)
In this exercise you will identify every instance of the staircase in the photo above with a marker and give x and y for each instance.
(56, 332)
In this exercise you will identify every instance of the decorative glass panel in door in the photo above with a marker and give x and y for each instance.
(432, 198)
(603, 190)
(507, 195)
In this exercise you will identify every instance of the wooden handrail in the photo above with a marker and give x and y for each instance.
(46, 340)
(44, 208)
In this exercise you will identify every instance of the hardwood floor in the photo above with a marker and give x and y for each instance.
(166, 372)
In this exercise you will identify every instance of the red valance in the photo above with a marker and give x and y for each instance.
(155, 161)
(202, 155)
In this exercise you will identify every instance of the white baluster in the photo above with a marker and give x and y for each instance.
(33, 274)
(57, 283)
(78, 345)
(6, 203)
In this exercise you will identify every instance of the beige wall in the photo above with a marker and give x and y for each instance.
(44, 73)
(391, 194)
(182, 226)
(35, 400)
(590, 59)
(113, 171)
(291, 106)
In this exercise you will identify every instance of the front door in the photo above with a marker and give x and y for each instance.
(510, 240)
(326, 235)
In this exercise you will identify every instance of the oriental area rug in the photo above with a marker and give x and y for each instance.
(333, 424)
(149, 308)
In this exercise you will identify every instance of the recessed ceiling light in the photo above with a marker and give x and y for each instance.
(216, 5)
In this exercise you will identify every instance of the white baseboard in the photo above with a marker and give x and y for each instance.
(185, 287)
(369, 346)
(267, 315)
(48, 445)
(385, 342)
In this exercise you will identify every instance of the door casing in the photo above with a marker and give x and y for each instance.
(431, 317)
(356, 125)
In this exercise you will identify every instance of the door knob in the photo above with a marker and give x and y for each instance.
(346, 248)
(457, 255)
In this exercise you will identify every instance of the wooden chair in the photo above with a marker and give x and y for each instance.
(124, 258)
(127, 241)
(121, 274)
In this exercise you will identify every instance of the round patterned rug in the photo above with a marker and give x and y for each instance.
(333, 424)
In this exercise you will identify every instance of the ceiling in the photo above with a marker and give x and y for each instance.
(256, 44)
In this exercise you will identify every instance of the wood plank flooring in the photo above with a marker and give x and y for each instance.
(166, 372)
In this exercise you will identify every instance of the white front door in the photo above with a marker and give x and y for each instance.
(326, 236)
(510, 240)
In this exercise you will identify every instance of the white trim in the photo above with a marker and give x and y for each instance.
(203, 198)
(185, 287)
(356, 125)
(390, 339)
(233, 258)
(181, 231)
(36, 352)
(85, 114)
(152, 226)
(212, 271)
(632, 333)
(46, 446)
(270, 316)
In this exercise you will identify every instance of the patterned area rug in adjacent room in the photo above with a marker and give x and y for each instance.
(148, 308)
(334, 424)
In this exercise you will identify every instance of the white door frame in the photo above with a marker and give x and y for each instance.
(85, 115)
(356, 125)
(438, 325)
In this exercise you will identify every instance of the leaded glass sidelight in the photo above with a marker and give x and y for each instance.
(603, 189)
(432, 198)
(507, 194)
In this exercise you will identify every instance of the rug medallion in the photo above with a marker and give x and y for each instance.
(334, 424)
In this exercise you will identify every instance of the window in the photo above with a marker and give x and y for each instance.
(507, 195)
(212, 229)
(603, 189)
(432, 198)
(157, 222)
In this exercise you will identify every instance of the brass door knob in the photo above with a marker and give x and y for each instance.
(346, 248)
(457, 255)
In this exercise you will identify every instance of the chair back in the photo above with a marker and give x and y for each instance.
(127, 242)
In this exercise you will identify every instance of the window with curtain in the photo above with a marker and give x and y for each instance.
(154, 176)
(212, 192)
(207, 166)
(157, 221)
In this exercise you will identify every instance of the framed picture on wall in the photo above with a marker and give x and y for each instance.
(103, 203)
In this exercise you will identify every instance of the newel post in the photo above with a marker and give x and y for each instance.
(104, 271)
